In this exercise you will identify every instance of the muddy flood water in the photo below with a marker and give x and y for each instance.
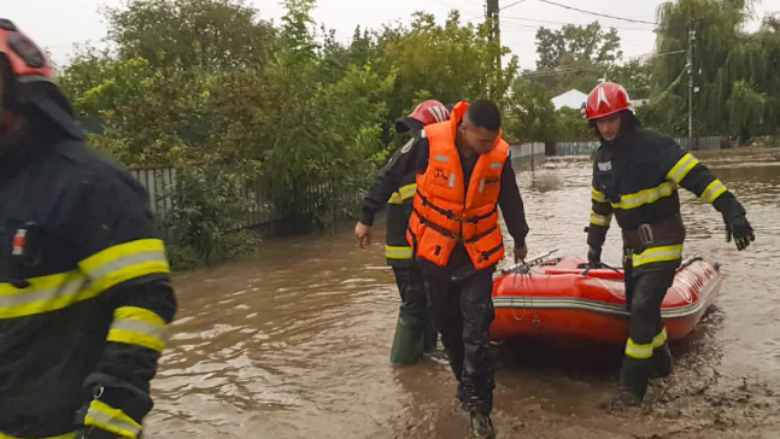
(294, 342)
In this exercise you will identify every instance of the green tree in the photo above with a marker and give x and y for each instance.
(449, 62)
(575, 57)
(531, 116)
(209, 34)
(736, 72)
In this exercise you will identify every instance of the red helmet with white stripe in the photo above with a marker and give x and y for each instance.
(31, 81)
(606, 99)
(428, 112)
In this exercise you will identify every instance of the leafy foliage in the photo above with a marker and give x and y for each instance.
(736, 72)
(206, 223)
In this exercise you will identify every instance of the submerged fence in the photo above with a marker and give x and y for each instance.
(689, 144)
(281, 216)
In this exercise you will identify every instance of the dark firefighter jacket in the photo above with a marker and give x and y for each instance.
(413, 158)
(636, 178)
(399, 208)
(85, 294)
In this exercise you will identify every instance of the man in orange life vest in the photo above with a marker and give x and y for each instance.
(464, 175)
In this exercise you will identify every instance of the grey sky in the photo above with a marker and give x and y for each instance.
(58, 24)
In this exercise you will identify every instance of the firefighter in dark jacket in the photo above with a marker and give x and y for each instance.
(85, 296)
(636, 176)
(464, 174)
(414, 333)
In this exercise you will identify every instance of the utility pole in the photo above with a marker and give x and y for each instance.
(491, 13)
(691, 39)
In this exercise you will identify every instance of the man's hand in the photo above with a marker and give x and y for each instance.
(363, 235)
(521, 253)
(739, 228)
(594, 256)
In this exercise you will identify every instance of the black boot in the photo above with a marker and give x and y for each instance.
(662, 362)
(633, 383)
(482, 426)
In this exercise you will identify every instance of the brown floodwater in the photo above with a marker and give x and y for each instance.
(294, 342)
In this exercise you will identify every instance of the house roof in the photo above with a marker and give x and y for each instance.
(571, 99)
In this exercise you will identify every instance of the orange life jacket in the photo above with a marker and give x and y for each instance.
(444, 213)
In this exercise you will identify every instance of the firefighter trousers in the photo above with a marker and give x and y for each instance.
(414, 303)
(645, 293)
(462, 311)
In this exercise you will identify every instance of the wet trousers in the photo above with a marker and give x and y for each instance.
(462, 311)
(414, 301)
(645, 292)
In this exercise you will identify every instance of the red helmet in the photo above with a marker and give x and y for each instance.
(606, 99)
(27, 61)
(33, 79)
(428, 112)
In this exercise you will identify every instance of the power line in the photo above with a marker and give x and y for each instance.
(512, 4)
(531, 20)
(553, 72)
(631, 20)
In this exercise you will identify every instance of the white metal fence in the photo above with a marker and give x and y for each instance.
(692, 144)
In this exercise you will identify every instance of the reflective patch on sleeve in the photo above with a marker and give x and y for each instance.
(113, 420)
(713, 191)
(138, 326)
(682, 168)
(125, 262)
(600, 220)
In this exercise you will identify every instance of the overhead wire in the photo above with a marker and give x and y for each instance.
(531, 20)
(553, 72)
(598, 14)
(511, 4)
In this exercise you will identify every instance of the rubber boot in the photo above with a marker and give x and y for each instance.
(408, 344)
(482, 426)
(632, 386)
(662, 362)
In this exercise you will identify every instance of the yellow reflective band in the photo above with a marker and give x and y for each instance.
(597, 196)
(138, 326)
(713, 191)
(45, 294)
(600, 220)
(660, 339)
(124, 262)
(647, 196)
(408, 191)
(658, 254)
(639, 351)
(395, 199)
(62, 436)
(682, 168)
(113, 420)
(394, 252)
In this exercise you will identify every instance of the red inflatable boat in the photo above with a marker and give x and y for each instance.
(560, 297)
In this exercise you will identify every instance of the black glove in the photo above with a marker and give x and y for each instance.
(739, 228)
(594, 256)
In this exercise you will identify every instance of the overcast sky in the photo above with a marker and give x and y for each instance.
(58, 24)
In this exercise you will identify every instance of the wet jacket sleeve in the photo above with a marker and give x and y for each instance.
(687, 172)
(511, 204)
(600, 213)
(124, 258)
(411, 158)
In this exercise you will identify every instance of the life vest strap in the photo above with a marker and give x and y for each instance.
(451, 215)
